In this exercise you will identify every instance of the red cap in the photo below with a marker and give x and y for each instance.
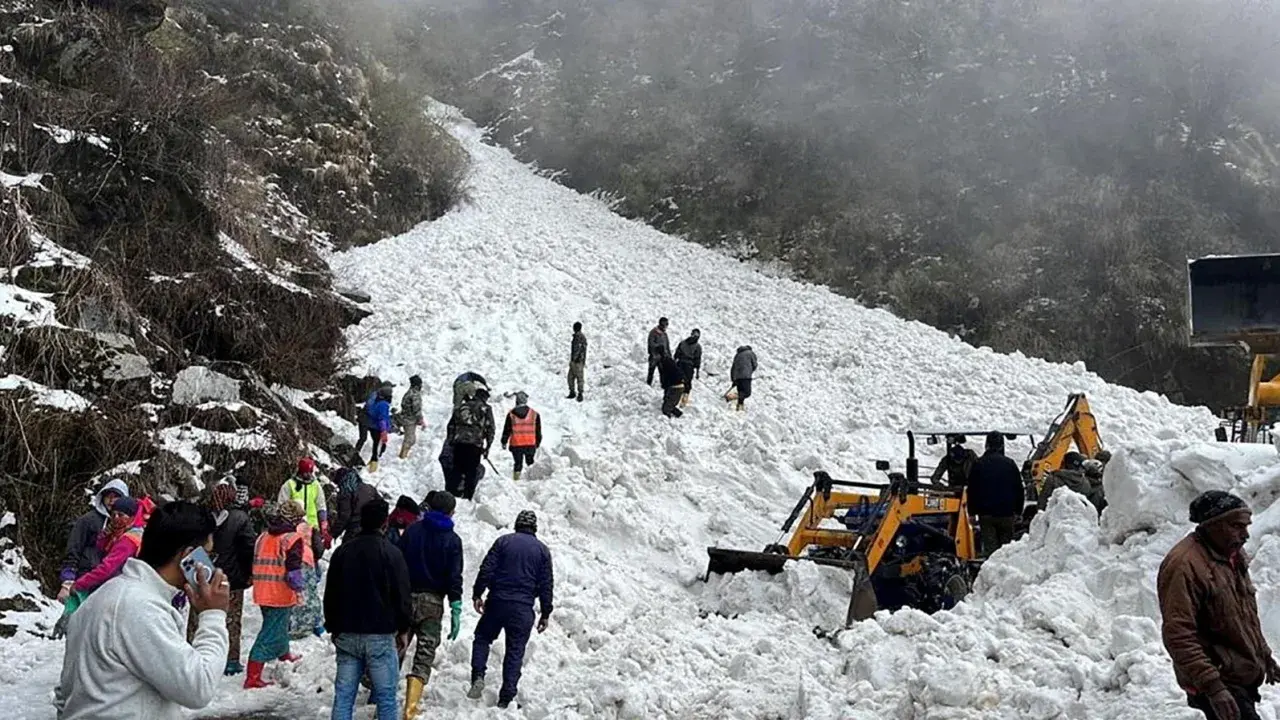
(306, 466)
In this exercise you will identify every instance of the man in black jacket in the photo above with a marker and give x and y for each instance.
(366, 608)
(353, 495)
(996, 494)
(433, 552)
(672, 378)
(233, 545)
(689, 358)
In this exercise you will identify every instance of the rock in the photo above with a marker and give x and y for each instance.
(198, 384)
(18, 603)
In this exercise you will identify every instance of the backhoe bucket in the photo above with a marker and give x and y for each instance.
(1234, 300)
(727, 562)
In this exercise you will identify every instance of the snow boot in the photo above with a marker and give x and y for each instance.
(373, 466)
(515, 475)
(477, 689)
(579, 397)
(571, 396)
(404, 452)
(413, 687)
(233, 668)
(253, 679)
(289, 658)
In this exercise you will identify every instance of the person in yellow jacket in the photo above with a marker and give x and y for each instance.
(523, 433)
(304, 488)
(277, 578)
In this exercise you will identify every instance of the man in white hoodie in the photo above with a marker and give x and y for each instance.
(127, 654)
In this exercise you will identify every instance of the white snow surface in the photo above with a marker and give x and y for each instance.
(1063, 624)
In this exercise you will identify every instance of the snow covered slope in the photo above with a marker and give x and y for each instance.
(1063, 625)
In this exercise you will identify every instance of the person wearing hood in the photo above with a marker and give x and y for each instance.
(957, 465)
(119, 541)
(233, 545)
(433, 552)
(1209, 608)
(1073, 477)
(996, 494)
(127, 656)
(523, 433)
(367, 428)
(689, 357)
(516, 571)
(659, 347)
(277, 579)
(378, 417)
(742, 372)
(577, 362)
(83, 553)
(304, 488)
(353, 494)
(411, 415)
(470, 432)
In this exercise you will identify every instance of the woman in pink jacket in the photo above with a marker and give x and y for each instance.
(119, 541)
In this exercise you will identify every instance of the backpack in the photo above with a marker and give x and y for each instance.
(470, 422)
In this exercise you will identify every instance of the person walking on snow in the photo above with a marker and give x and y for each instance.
(83, 553)
(1209, 609)
(369, 430)
(233, 544)
(304, 488)
(672, 379)
(515, 571)
(689, 357)
(367, 609)
(996, 494)
(277, 579)
(411, 415)
(659, 347)
(577, 362)
(433, 552)
(379, 420)
(741, 373)
(523, 431)
(127, 656)
(353, 494)
(470, 432)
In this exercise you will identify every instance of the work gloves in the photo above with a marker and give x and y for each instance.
(295, 580)
(1224, 706)
(455, 619)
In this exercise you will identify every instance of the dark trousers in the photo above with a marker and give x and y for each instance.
(366, 433)
(653, 365)
(516, 620)
(1246, 699)
(744, 390)
(670, 400)
(997, 531)
(466, 470)
(688, 377)
(520, 456)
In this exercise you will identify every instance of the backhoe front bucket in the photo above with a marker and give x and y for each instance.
(726, 562)
(1235, 300)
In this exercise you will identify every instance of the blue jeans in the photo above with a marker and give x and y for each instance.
(377, 654)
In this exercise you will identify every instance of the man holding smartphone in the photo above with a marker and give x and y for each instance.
(127, 654)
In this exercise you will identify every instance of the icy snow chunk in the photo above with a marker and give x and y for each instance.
(198, 384)
(48, 397)
(30, 180)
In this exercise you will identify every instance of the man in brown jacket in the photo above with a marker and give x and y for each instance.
(1210, 610)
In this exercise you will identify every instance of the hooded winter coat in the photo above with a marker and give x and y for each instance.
(995, 486)
(233, 543)
(744, 364)
(353, 494)
(1210, 610)
(83, 553)
(517, 569)
(433, 552)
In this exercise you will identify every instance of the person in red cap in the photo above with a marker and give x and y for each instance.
(1210, 612)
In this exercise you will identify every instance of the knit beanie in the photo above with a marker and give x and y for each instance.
(527, 521)
(126, 505)
(1213, 505)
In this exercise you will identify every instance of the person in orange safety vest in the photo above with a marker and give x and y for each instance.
(522, 433)
(277, 579)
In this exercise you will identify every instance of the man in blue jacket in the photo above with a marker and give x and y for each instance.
(376, 423)
(433, 552)
(516, 570)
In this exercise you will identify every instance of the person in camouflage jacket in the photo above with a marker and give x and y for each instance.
(411, 415)
(470, 432)
(577, 362)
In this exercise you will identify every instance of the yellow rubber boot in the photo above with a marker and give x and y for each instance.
(404, 451)
(373, 466)
(413, 687)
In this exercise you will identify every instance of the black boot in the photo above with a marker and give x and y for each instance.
(579, 397)
(570, 395)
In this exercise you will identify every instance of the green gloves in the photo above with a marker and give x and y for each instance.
(455, 619)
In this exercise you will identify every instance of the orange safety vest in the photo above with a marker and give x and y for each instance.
(524, 430)
(308, 554)
(269, 586)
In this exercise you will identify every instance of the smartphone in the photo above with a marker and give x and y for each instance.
(191, 564)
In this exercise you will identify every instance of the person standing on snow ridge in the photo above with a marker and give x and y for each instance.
(83, 554)
(433, 552)
(127, 656)
(659, 347)
(742, 372)
(379, 419)
(470, 432)
(367, 609)
(515, 571)
(689, 358)
(996, 494)
(411, 415)
(577, 362)
(1210, 612)
(305, 489)
(957, 465)
(672, 379)
(523, 431)
(277, 579)
(353, 494)
(368, 430)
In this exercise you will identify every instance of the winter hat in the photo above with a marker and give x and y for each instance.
(242, 495)
(441, 501)
(290, 511)
(406, 503)
(126, 505)
(224, 494)
(1093, 468)
(1072, 460)
(522, 398)
(306, 467)
(527, 521)
(1212, 506)
(415, 381)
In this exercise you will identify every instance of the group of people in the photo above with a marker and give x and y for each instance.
(154, 639)
(677, 371)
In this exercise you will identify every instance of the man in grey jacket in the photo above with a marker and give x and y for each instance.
(744, 368)
(577, 362)
(659, 347)
(411, 415)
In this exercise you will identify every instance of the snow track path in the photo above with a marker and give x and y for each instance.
(628, 500)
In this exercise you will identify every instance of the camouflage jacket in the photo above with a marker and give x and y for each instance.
(578, 350)
(411, 407)
(472, 424)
